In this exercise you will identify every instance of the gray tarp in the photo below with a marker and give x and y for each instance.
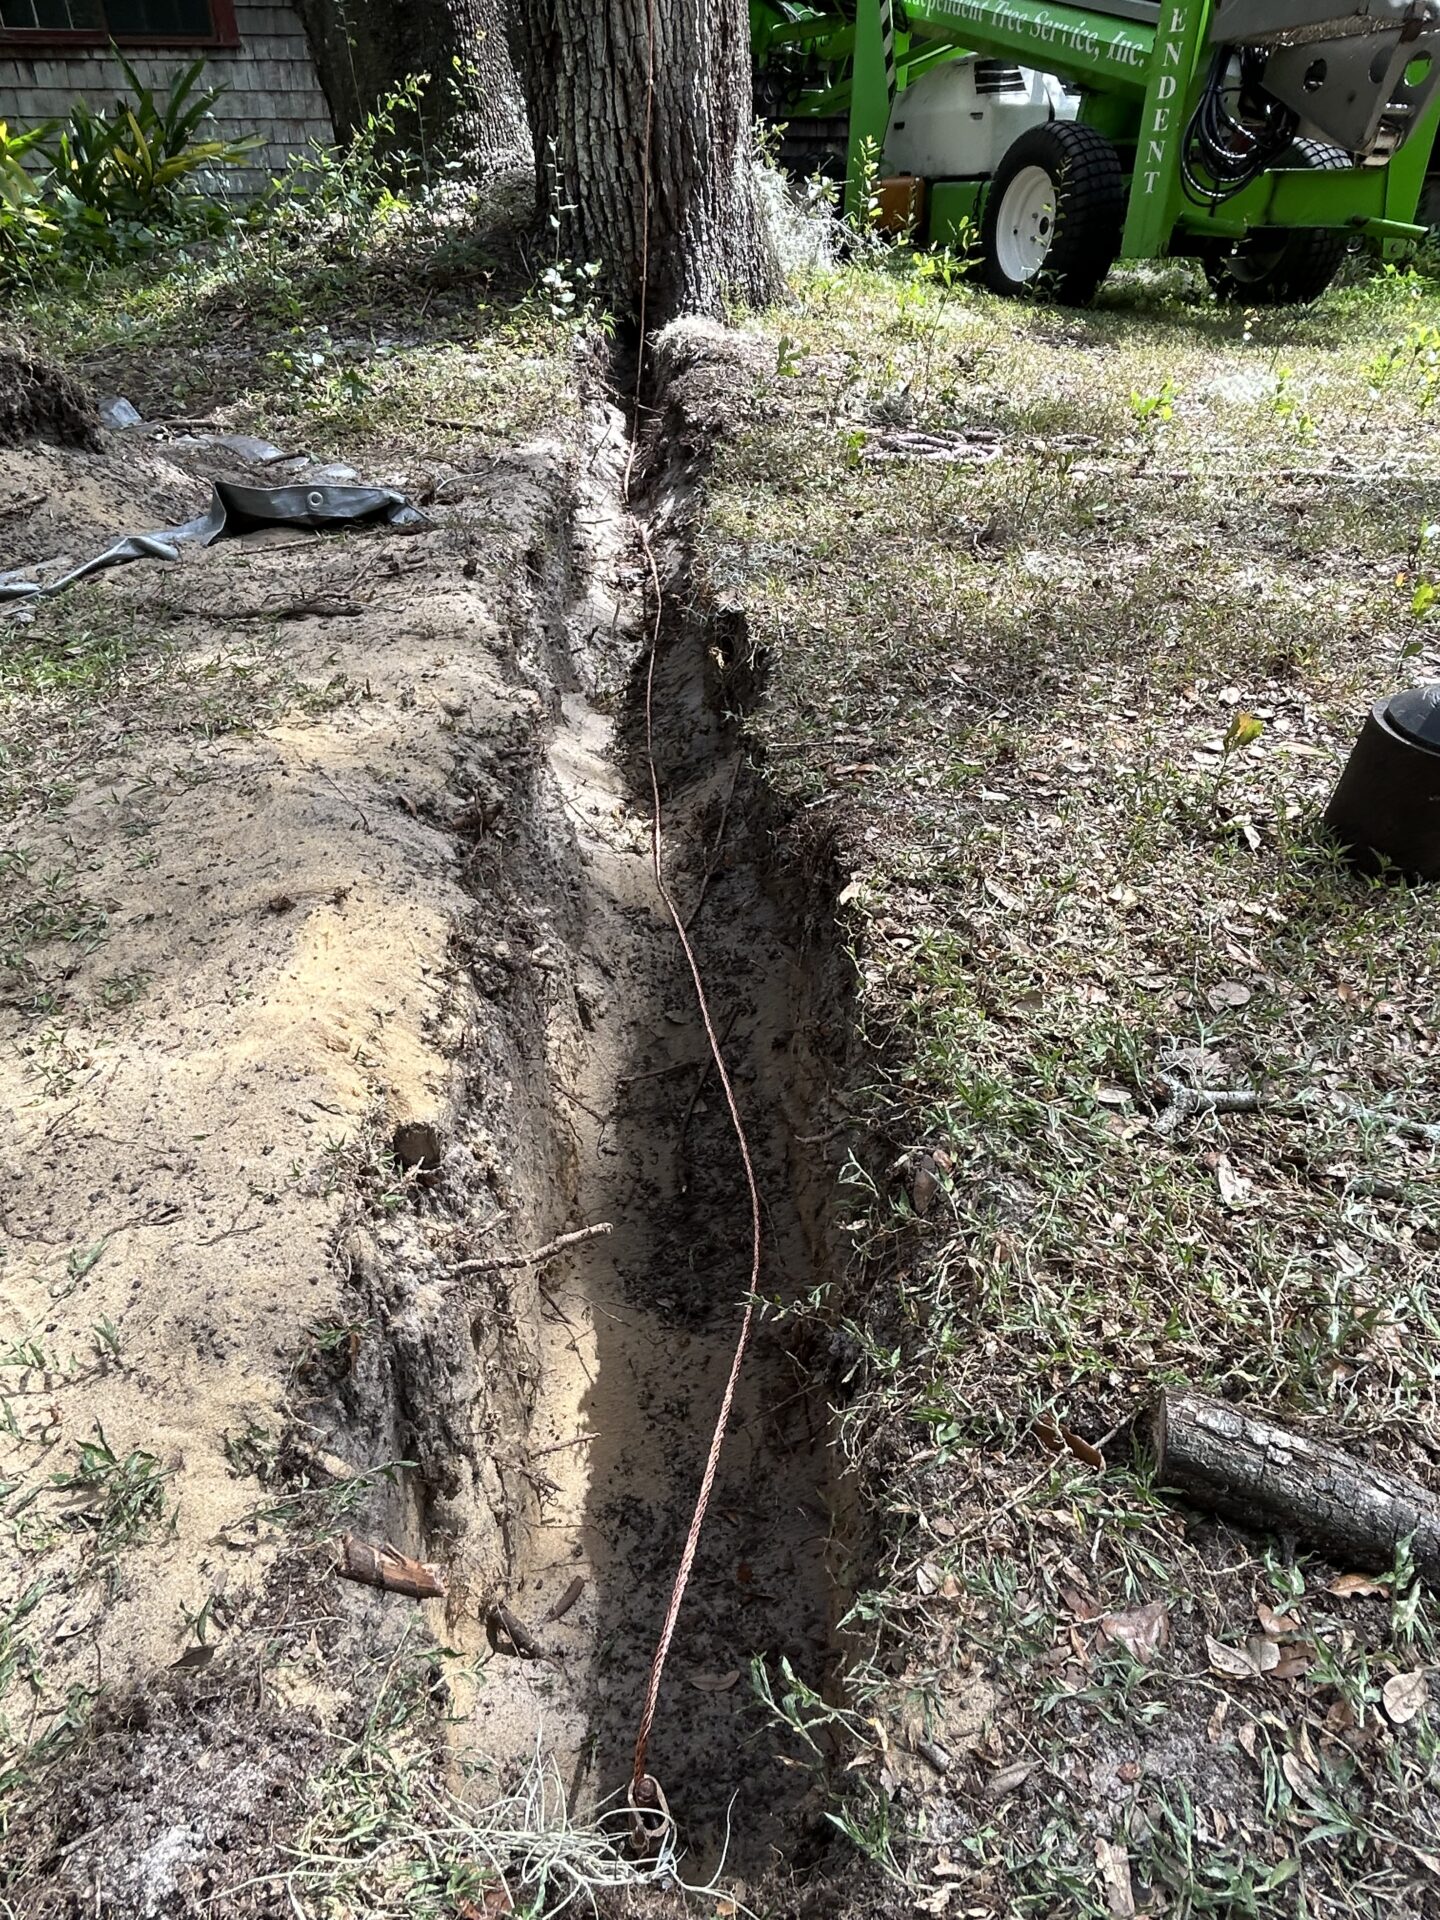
(233, 510)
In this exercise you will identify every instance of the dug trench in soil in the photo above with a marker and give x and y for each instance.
(638, 1328)
(633, 1333)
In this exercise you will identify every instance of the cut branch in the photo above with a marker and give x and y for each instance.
(389, 1569)
(1265, 1477)
(501, 1263)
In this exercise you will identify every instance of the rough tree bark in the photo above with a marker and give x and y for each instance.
(364, 51)
(583, 66)
(1265, 1476)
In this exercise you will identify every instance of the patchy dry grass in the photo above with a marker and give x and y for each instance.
(388, 332)
(1015, 571)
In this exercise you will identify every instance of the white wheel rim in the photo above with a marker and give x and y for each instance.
(1025, 224)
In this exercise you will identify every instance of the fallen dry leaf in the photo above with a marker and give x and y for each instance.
(1256, 1657)
(1008, 1779)
(193, 1660)
(1141, 1632)
(715, 1682)
(1276, 1624)
(1340, 1718)
(497, 1900)
(1292, 1663)
(1235, 1189)
(1228, 993)
(1058, 1439)
(1082, 1449)
(1114, 1864)
(1355, 1586)
(1301, 1779)
(1048, 1434)
(924, 1184)
(1079, 1604)
(1403, 1695)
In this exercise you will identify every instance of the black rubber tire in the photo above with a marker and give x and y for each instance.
(1089, 211)
(1282, 266)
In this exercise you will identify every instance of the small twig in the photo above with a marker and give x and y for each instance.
(559, 1446)
(23, 505)
(516, 1632)
(567, 1599)
(583, 1105)
(655, 1073)
(502, 1262)
(335, 787)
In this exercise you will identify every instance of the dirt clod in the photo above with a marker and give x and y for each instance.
(41, 402)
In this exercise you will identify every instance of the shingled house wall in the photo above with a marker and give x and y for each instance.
(270, 83)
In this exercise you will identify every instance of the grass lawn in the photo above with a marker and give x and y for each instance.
(1015, 571)
(1067, 623)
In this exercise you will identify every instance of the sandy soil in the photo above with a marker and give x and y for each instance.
(360, 972)
(287, 902)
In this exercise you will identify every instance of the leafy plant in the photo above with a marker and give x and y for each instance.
(1289, 410)
(117, 180)
(1423, 594)
(27, 228)
(121, 1499)
(1155, 409)
(348, 190)
(1243, 731)
(138, 162)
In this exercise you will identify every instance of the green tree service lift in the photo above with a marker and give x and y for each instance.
(1258, 136)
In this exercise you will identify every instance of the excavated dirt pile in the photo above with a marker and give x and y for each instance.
(401, 996)
(41, 402)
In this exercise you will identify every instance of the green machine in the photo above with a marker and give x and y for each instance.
(1261, 137)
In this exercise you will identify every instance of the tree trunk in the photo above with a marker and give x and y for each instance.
(497, 131)
(363, 53)
(583, 65)
(1268, 1478)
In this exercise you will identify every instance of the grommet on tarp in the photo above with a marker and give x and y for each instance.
(650, 1821)
(1385, 810)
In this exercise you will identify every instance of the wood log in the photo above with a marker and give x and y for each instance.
(1264, 1476)
(386, 1567)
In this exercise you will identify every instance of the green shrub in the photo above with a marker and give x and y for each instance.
(27, 227)
(120, 182)
(135, 168)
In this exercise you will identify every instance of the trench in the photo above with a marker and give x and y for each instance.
(632, 1335)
